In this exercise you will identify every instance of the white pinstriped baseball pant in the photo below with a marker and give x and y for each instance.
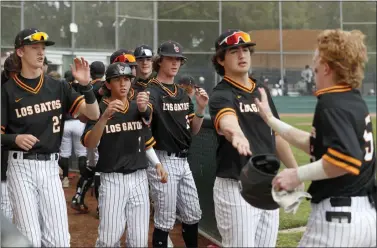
(361, 232)
(178, 193)
(5, 205)
(239, 223)
(38, 201)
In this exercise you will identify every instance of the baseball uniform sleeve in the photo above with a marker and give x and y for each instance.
(88, 128)
(73, 99)
(220, 105)
(4, 110)
(340, 140)
(149, 139)
(191, 112)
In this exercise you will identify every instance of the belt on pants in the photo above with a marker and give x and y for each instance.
(35, 156)
(182, 154)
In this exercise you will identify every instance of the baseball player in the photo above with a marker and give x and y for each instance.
(33, 107)
(173, 123)
(144, 72)
(343, 162)
(73, 129)
(123, 198)
(9, 71)
(241, 132)
(87, 169)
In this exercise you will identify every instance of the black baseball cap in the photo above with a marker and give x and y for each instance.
(128, 57)
(68, 76)
(143, 51)
(31, 36)
(233, 38)
(97, 68)
(171, 49)
(118, 69)
(187, 80)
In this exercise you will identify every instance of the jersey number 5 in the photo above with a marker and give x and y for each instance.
(56, 123)
(368, 137)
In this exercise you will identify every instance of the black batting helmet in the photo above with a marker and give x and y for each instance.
(255, 181)
(118, 69)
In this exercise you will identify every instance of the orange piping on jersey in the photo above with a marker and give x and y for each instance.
(85, 138)
(27, 87)
(191, 115)
(150, 105)
(78, 101)
(149, 141)
(77, 107)
(151, 145)
(145, 85)
(221, 114)
(240, 86)
(170, 93)
(127, 105)
(131, 94)
(333, 89)
(342, 165)
(346, 158)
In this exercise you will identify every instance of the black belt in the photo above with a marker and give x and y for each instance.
(182, 154)
(36, 156)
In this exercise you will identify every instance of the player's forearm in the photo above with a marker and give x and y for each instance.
(319, 170)
(284, 153)
(94, 136)
(152, 156)
(229, 127)
(90, 110)
(8, 139)
(292, 135)
(197, 121)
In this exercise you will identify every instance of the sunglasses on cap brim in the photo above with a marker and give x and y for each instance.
(235, 38)
(39, 36)
(125, 58)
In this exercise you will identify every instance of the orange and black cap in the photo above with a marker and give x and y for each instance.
(31, 36)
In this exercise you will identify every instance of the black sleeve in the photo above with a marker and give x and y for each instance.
(220, 104)
(6, 139)
(153, 98)
(191, 112)
(88, 128)
(73, 99)
(340, 140)
(149, 139)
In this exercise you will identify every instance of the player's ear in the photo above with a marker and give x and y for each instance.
(20, 51)
(221, 62)
(326, 69)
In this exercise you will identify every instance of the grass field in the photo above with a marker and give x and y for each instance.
(288, 221)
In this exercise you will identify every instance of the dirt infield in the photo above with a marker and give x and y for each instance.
(83, 227)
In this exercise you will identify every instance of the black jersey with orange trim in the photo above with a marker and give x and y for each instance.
(124, 140)
(38, 107)
(232, 98)
(173, 112)
(342, 135)
(138, 85)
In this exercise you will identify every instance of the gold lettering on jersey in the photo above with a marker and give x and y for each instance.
(124, 126)
(38, 108)
(247, 108)
(175, 106)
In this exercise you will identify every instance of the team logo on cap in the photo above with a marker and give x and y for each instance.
(121, 69)
(176, 48)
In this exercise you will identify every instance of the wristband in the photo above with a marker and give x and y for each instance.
(88, 93)
(312, 172)
(199, 115)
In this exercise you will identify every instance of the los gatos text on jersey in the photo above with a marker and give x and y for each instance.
(38, 108)
(175, 106)
(125, 126)
(246, 108)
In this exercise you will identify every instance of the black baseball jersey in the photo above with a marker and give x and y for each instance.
(342, 135)
(138, 85)
(124, 140)
(173, 112)
(230, 97)
(38, 107)
(4, 164)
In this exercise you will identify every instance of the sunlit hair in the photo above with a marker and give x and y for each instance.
(346, 54)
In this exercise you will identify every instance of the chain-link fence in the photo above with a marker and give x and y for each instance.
(285, 32)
